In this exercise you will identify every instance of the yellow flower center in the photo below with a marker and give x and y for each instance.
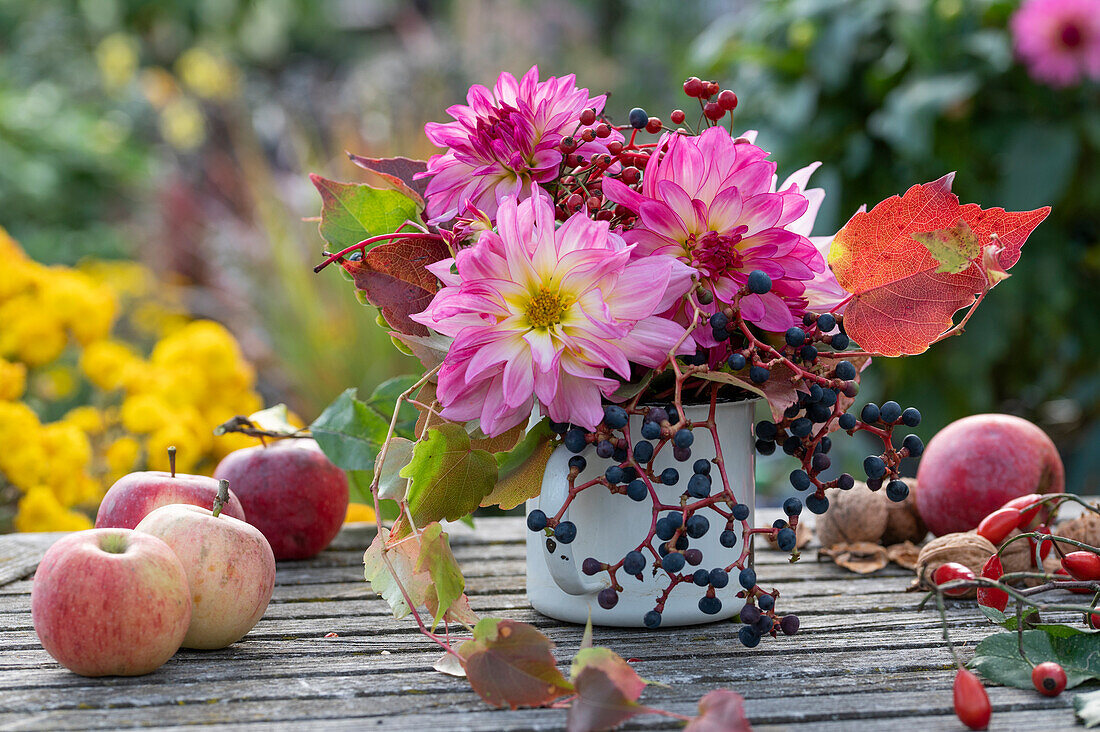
(545, 309)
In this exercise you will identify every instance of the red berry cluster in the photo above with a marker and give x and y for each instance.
(714, 100)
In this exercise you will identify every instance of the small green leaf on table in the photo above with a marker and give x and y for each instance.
(352, 212)
(607, 691)
(350, 433)
(510, 664)
(997, 657)
(447, 581)
(403, 556)
(448, 476)
(720, 711)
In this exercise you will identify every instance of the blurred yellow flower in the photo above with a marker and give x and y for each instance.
(55, 382)
(144, 413)
(89, 419)
(117, 57)
(182, 125)
(39, 510)
(159, 86)
(107, 364)
(122, 455)
(359, 512)
(13, 380)
(208, 75)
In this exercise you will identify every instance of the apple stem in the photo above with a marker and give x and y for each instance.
(222, 498)
(172, 459)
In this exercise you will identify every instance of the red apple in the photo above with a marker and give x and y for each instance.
(134, 496)
(290, 492)
(975, 465)
(110, 602)
(229, 565)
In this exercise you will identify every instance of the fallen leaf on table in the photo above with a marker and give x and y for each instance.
(862, 557)
(904, 554)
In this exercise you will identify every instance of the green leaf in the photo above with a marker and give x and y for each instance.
(520, 470)
(390, 482)
(511, 664)
(436, 557)
(1087, 707)
(955, 248)
(998, 659)
(352, 212)
(607, 690)
(993, 614)
(403, 556)
(350, 433)
(449, 477)
(384, 398)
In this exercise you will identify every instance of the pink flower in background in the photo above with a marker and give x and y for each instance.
(1059, 40)
(505, 140)
(538, 313)
(712, 202)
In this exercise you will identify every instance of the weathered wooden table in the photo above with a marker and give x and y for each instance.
(865, 658)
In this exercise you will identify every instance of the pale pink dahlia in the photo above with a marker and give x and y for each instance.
(538, 313)
(1059, 40)
(711, 202)
(504, 141)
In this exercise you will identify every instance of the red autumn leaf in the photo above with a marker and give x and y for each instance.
(607, 691)
(509, 664)
(913, 261)
(392, 277)
(398, 172)
(720, 711)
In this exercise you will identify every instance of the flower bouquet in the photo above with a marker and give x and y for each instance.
(602, 295)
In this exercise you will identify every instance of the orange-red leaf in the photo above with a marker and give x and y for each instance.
(393, 277)
(720, 711)
(510, 664)
(607, 691)
(903, 297)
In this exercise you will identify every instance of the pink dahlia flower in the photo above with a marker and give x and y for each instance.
(712, 202)
(1059, 40)
(504, 141)
(539, 313)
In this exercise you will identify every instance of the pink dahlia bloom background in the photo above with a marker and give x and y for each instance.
(505, 140)
(1059, 40)
(712, 202)
(538, 312)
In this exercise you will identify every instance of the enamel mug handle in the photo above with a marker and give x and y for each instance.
(563, 567)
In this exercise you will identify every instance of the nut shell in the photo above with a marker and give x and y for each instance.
(854, 516)
(903, 522)
(1084, 528)
(967, 549)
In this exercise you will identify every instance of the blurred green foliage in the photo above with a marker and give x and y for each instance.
(889, 93)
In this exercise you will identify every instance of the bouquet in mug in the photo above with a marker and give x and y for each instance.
(558, 269)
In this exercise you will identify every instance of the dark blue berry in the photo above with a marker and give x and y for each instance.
(701, 577)
(575, 440)
(819, 412)
(637, 490)
(638, 118)
(720, 334)
(817, 504)
(792, 411)
(910, 417)
(693, 556)
(840, 341)
(664, 529)
(874, 483)
(800, 480)
(789, 624)
(619, 454)
(682, 543)
(614, 474)
(914, 445)
(809, 319)
(605, 449)
(607, 598)
(750, 614)
(828, 397)
(814, 395)
(683, 438)
(578, 462)
(559, 428)
(591, 566)
(652, 619)
(766, 430)
(682, 454)
(791, 445)
(670, 476)
(897, 490)
(874, 466)
(719, 578)
(736, 361)
(890, 412)
(697, 526)
(728, 538)
(826, 322)
(719, 320)
(749, 638)
(786, 540)
(845, 482)
(657, 414)
(801, 427)
(663, 548)
(759, 374)
(870, 413)
(795, 336)
(536, 520)
(566, 532)
(778, 523)
(701, 467)
(765, 447)
(820, 462)
(651, 431)
(759, 282)
(740, 511)
(792, 506)
(747, 578)
(807, 353)
(699, 486)
(845, 370)
(710, 605)
(614, 417)
(847, 421)
(629, 473)
(764, 625)
(825, 444)
(766, 602)
(633, 562)
(673, 563)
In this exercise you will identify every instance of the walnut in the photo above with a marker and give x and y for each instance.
(969, 550)
(903, 523)
(1017, 557)
(854, 516)
(1084, 528)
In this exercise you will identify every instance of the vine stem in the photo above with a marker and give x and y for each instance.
(372, 240)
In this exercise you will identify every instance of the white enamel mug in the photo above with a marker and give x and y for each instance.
(610, 525)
